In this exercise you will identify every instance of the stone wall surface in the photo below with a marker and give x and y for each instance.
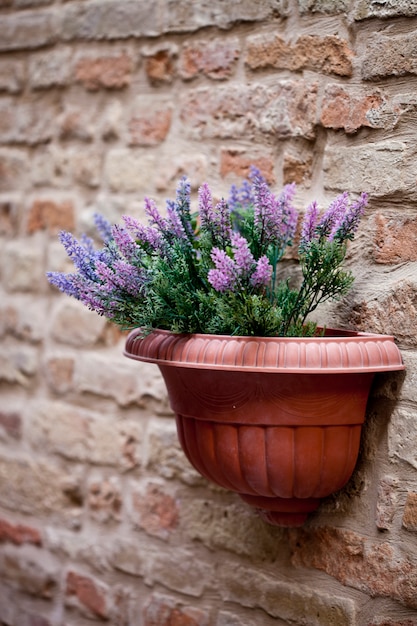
(102, 519)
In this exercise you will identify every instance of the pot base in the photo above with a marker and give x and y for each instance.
(287, 512)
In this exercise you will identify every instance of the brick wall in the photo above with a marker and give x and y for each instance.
(101, 103)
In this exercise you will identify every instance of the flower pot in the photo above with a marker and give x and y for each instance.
(277, 420)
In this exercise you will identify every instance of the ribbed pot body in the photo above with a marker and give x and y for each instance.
(277, 421)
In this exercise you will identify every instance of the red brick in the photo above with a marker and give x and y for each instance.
(11, 423)
(297, 170)
(105, 72)
(376, 568)
(157, 511)
(342, 109)
(215, 59)
(410, 512)
(19, 534)
(329, 54)
(237, 162)
(51, 216)
(150, 129)
(162, 611)
(395, 238)
(89, 593)
(160, 66)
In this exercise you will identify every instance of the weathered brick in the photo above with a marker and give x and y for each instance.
(364, 9)
(23, 4)
(59, 373)
(25, 121)
(9, 216)
(32, 619)
(88, 594)
(24, 269)
(377, 568)
(410, 512)
(34, 487)
(387, 503)
(383, 621)
(165, 611)
(186, 15)
(350, 111)
(11, 424)
(160, 64)
(50, 69)
(18, 364)
(379, 168)
(126, 382)
(323, 6)
(105, 500)
(12, 76)
(238, 162)
(24, 319)
(19, 534)
(194, 165)
(393, 312)
(329, 54)
(215, 59)
(287, 601)
(402, 436)
(14, 168)
(394, 239)
(49, 215)
(75, 123)
(150, 128)
(155, 511)
(94, 19)
(165, 456)
(107, 72)
(297, 169)
(30, 572)
(395, 55)
(73, 324)
(287, 109)
(31, 29)
(229, 525)
(82, 435)
(128, 171)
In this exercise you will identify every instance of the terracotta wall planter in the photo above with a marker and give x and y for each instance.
(277, 420)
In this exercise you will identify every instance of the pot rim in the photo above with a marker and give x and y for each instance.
(338, 351)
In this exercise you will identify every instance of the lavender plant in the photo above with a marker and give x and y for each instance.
(216, 270)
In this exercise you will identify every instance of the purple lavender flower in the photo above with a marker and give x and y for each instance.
(103, 226)
(331, 219)
(183, 204)
(215, 221)
(125, 243)
(176, 227)
(268, 214)
(224, 276)
(67, 283)
(289, 213)
(81, 256)
(155, 218)
(262, 275)
(205, 205)
(349, 222)
(309, 225)
(145, 234)
(243, 257)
